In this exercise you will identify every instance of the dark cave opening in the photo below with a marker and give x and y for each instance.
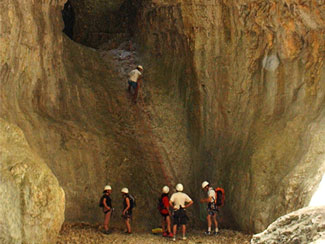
(95, 22)
(68, 17)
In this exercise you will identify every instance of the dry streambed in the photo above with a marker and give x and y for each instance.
(82, 233)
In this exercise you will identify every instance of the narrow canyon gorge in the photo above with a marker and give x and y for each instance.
(233, 93)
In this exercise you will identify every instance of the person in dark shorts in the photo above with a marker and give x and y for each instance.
(165, 213)
(180, 201)
(107, 208)
(127, 209)
(212, 208)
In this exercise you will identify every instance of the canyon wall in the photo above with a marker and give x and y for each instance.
(250, 76)
(74, 112)
(233, 93)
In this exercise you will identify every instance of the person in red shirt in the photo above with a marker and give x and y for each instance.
(164, 211)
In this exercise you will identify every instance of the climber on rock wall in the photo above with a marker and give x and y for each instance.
(134, 81)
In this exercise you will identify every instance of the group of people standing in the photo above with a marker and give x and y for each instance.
(172, 209)
(106, 204)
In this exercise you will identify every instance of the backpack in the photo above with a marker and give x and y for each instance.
(160, 204)
(132, 201)
(220, 197)
(101, 201)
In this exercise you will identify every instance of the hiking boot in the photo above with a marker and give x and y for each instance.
(207, 233)
(165, 234)
(216, 233)
(170, 234)
(184, 238)
(106, 232)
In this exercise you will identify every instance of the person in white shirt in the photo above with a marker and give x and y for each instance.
(180, 201)
(212, 208)
(134, 80)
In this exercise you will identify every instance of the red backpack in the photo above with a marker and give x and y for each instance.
(161, 207)
(220, 197)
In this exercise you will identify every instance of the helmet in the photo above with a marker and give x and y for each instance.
(204, 184)
(179, 187)
(139, 67)
(108, 187)
(125, 190)
(165, 189)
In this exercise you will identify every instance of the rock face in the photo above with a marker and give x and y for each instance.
(250, 78)
(306, 225)
(32, 202)
(233, 93)
(75, 113)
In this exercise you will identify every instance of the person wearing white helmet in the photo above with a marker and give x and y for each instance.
(106, 203)
(180, 201)
(165, 213)
(128, 204)
(212, 208)
(134, 81)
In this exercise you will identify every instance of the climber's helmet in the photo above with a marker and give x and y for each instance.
(107, 188)
(204, 184)
(165, 189)
(179, 187)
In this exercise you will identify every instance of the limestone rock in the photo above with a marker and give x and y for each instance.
(250, 78)
(32, 202)
(305, 225)
(75, 113)
(233, 93)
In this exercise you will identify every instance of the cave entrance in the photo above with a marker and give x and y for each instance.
(68, 17)
(96, 22)
(318, 198)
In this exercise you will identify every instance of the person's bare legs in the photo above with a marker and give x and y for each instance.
(175, 230)
(128, 225)
(215, 222)
(163, 225)
(168, 224)
(209, 222)
(106, 220)
(184, 230)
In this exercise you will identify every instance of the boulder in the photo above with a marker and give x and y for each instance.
(32, 202)
(306, 225)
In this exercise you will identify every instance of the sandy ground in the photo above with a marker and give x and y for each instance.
(84, 233)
